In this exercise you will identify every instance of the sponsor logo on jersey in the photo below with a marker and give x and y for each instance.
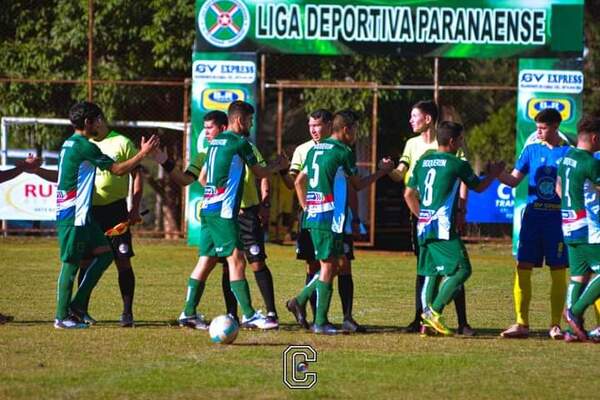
(224, 23)
(219, 99)
(563, 106)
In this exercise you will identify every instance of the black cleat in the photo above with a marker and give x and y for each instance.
(325, 329)
(350, 325)
(126, 321)
(298, 311)
(413, 327)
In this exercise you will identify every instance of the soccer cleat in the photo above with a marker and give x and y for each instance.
(425, 331)
(570, 338)
(299, 312)
(594, 334)
(273, 320)
(126, 321)
(575, 323)
(196, 321)
(69, 323)
(413, 327)
(555, 333)
(466, 330)
(258, 321)
(81, 316)
(5, 318)
(435, 320)
(516, 331)
(350, 325)
(325, 329)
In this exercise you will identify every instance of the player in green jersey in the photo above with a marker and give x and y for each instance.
(578, 185)
(423, 121)
(251, 234)
(321, 187)
(432, 196)
(223, 179)
(110, 208)
(79, 236)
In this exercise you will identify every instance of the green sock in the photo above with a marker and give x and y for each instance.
(573, 292)
(449, 286)
(588, 297)
(64, 289)
(194, 293)
(324, 291)
(428, 291)
(91, 278)
(241, 290)
(308, 290)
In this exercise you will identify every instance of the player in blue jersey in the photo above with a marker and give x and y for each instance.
(540, 238)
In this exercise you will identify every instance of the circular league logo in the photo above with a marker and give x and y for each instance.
(224, 23)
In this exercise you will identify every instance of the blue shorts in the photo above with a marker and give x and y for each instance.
(541, 239)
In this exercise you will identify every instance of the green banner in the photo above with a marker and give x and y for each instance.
(545, 83)
(217, 80)
(442, 28)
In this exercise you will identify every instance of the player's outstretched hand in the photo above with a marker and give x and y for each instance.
(31, 164)
(158, 155)
(147, 146)
(386, 164)
(495, 168)
(281, 163)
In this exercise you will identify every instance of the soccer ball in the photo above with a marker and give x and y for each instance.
(223, 329)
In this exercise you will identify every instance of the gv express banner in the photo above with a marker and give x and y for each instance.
(217, 80)
(450, 28)
(545, 83)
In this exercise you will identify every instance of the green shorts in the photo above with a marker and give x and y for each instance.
(219, 236)
(327, 244)
(78, 242)
(442, 257)
(584, 258)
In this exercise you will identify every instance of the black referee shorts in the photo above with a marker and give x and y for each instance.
(252, 234)
(108, 216)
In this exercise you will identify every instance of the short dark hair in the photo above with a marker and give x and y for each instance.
(344, 118)
(322, 114)
(218, 117)
(448, 130)
(428, 107)
(589, 124)
(82, 111)
(239, 108)
(548, 116)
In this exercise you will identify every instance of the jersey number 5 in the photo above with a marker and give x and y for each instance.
(314, 181)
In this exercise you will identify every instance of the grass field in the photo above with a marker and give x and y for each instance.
(160, 360)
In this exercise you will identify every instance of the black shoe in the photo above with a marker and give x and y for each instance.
(5, 318)
(350, 325)
(325, 329)
(298, 311)
(413, 327)
(126, 321)
(466, 330)
(77, 315)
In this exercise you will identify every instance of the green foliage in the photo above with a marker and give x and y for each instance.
(49, 40)
(494, 139)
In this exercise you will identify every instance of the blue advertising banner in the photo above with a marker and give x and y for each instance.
(493, 206)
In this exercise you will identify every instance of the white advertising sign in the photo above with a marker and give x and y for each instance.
(28, 197)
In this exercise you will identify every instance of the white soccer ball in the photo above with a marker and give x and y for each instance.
(223, 329)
